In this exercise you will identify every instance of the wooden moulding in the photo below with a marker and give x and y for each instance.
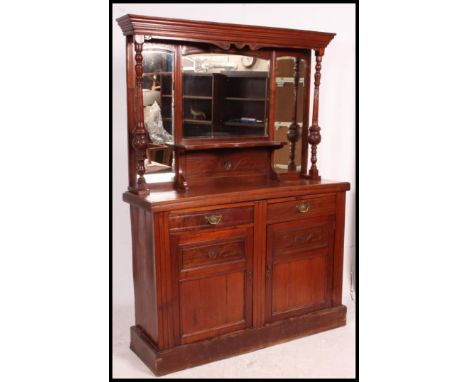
(223, 35)
(271, 145)
(247, 340)
(207, 196)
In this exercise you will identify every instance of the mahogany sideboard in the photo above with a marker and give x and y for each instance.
(238, 245)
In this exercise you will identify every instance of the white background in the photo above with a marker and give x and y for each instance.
(412, 192)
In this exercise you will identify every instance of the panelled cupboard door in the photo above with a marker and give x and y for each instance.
(212, 282)
(299, 266)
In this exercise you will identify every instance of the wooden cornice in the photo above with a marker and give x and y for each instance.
(223, 35)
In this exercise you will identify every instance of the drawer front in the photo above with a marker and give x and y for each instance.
(225, 217)
(303, 207)
(298, 236)
(206, 165)
(211, 252)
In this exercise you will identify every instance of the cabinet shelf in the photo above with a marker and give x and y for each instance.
(197, 121)
(245, 99)
(244, 124)
(196, 97)
(273, 145)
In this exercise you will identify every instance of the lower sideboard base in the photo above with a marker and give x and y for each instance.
(244, 341)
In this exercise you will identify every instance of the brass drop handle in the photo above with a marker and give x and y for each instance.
(268, 270)
(303, 207)
(212, 254)
(213, 219)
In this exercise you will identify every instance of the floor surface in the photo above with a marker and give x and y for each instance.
(329, 354)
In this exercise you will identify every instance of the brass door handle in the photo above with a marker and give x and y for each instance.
(303, 207)
(213, 219)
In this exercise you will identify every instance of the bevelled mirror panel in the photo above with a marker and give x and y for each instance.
(158, 103)
(224, 96)
(289, 112)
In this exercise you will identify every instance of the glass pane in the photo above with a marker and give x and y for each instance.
(224, 96)
(158, 96)
(287, 111)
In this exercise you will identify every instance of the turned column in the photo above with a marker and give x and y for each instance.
(293, 128)
(140, 134)
(314, 131)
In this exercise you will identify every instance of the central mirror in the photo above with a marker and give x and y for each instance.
(224, 96)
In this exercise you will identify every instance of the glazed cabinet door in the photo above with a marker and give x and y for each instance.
(212, 282)
(299, 266)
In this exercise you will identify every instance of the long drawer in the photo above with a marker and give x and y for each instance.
(302, 207)
(224, 217)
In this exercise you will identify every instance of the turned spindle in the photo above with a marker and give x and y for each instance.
(140, 134)
(314, 131)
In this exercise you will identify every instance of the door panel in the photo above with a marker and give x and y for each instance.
(299, 267)
(298, 283)
(212, 304)
(212, 274)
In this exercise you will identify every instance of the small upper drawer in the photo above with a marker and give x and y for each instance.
(302, 207)
(225, 217)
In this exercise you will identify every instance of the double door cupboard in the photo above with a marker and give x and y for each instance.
(240, 244)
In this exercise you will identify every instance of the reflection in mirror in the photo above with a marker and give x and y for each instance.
(289, 112)
(225, 96)
(158, 105)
